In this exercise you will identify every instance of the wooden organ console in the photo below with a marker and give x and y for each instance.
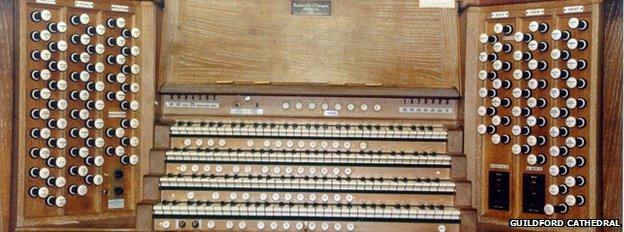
(312, 161)
(311, 115)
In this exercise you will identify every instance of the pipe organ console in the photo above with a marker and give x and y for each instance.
(354, 163)
(311, 115)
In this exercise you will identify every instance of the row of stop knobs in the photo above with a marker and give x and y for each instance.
(565, 55)
(91, 88)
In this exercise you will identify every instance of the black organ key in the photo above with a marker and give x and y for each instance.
(541, 102)
(506, 84)
(564, 93)
(580, 181)
(110, 23)
(526, 112)
(580, 142)
(527, 37)
(35, 36)
(566, 35)
(583, 25)
(125, 69)
(492, 57)
(111, 41)
(492, 93)
(74, 133)
(125, 87)
(564, 74)
(582, 45)
(491, 111)
(75, 39)
(542, 84)
(507, 48)
(526, 56)
(52, 27)
(563, 132)
(541, 121)
(505, 139)
(90, 67)
(507, 29)
(53, 46)
(525, 130)
(526, 93)
(564, 112)
(126, 33)
(75, 57)
(542, 65)
(505, 102)
(505, 121)
(35, 55)
(90, 123)
(125, 123)
(75, 20)
(90, 30)
(111, 59)
(492, 75)
(506, 66)
(492, 39)
(527, 74)
(542, 46)
(125, 51)
(565, 55)
(541, 159)
(543, 27)
(91, 49)
(35, 16)
(582, 64)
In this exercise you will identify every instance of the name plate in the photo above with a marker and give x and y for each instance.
(245, 111)
(83, 4)
(120, 8)
(51, 2)
(573, 9)
(534, 12)
(499, 166)
(499, 14)
(310, 8)
(116, 114)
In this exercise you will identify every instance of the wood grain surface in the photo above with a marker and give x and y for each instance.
(6, 111)
(612, 108)
(596, 189)
(379, 42)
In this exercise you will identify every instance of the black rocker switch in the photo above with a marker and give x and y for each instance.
(498, 192)
(533, 193)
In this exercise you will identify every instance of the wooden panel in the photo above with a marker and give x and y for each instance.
(612, 117)
(92, 210)
(6, 112)
(479, 20)
(374, 42)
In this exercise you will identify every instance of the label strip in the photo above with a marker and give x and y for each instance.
(573, 9)
(534, 12)
(83, 4)
(49, 2)
(500, 14)
(120, 8)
